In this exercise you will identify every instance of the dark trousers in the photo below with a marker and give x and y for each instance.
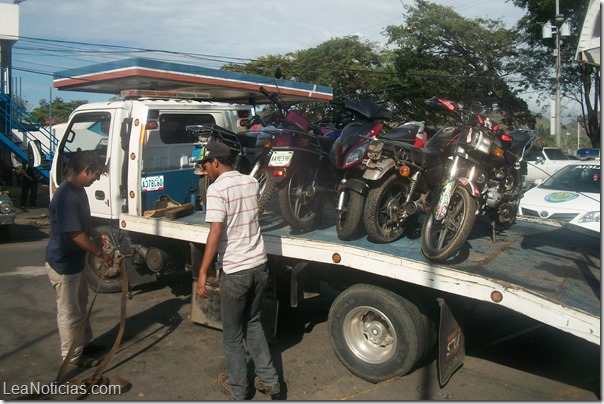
(241, 300)
(26, 187)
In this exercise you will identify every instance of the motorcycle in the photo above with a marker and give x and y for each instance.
(308, 167)
(484, 178)
(249, 157)
(400, 178)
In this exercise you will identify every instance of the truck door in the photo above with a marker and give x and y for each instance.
(86, 131)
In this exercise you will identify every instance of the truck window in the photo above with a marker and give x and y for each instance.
(88, 131)
(172, 126)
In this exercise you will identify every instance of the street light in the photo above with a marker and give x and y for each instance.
(561, 28)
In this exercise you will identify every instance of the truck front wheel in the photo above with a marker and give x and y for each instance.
(92, 272)
(375, 333)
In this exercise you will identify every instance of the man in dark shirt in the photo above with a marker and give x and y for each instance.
(70, 232)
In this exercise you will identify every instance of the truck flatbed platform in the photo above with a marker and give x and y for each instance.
(545, 272)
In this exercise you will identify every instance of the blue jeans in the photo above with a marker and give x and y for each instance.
(241, 300)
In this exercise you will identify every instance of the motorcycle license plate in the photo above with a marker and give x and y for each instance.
(281, 159)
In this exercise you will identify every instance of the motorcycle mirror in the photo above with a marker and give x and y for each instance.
(278, 73)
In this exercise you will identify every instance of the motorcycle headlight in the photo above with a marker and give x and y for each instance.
(479, 140)
(374, 151)
(6, 207)
(355, 155)
(590, 217)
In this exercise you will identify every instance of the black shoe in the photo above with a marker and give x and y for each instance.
(268, 390)
(84, 362)
(92, 349)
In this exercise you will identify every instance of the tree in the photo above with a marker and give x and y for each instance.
(577, 82)
(60, 109)
(347, 64)
(439, 52)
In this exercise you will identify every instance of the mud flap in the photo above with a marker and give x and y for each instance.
(451, 344)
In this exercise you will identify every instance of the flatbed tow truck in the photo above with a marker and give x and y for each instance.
(537, 268)
(391, 307)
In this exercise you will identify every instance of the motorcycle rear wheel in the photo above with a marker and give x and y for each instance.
(298, 209)
(349, 219)
(267, 187)
(443, 239)
(381, 210)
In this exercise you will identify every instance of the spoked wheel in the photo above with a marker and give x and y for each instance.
(299, 206)
(348, 220)
(382, 209)
(267, 187)
(204, 183)
(443, 239)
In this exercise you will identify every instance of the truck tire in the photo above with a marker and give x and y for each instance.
(375, 333)
(298, 209)
(92, 271)
(381, 210)
(204, 183)
(267, 187)
(349, 219)
(442, 240)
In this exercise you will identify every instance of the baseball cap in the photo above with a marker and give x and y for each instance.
(214, 150)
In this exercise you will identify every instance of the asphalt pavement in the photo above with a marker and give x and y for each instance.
(165, 356)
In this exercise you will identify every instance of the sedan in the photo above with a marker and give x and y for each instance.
(570, 195)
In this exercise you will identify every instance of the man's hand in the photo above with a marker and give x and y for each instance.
(201, 285)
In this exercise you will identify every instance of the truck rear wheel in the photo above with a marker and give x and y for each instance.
(92, 272)
(375, 333)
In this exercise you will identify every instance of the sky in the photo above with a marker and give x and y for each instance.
(209, 32)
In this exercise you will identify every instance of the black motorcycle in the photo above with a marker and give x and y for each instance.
(249, 152)
(484, 178)
(400, 180)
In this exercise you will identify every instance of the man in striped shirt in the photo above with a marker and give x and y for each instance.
(232, 211)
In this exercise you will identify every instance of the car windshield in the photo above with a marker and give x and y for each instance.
(555, 154)
(575, 178)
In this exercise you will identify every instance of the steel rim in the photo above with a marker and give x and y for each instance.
(369, 333)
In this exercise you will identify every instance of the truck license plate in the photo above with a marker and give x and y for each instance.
(281, 159)
(155, 183)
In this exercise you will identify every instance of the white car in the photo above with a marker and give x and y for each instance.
(570, 195)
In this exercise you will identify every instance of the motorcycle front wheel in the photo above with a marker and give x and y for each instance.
(299, 208)
(348, 220)
(382, 208)
(443, 239)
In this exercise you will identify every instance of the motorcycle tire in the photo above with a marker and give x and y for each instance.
(507, 213)
(204, 183)
(267, 187)
(298, 209)
(443, 239)
(381, 210)
(349, 219)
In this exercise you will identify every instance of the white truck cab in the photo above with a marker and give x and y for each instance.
(145, 146)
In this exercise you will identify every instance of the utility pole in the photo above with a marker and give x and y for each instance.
(560, 28)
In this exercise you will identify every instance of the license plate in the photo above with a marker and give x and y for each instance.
(281, 159)
(155, 183)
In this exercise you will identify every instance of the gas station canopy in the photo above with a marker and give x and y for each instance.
(146, 77)
(588, 50)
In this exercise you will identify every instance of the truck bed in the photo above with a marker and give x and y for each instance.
(544, 271)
